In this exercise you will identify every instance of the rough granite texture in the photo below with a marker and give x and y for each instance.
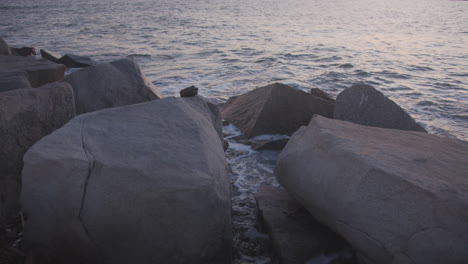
(27, 115)
(396, 196)
(297, 237)
(13, 80)
(144, 183)
(39, 71)
(112, 84)
(274, 109)
(363, 104)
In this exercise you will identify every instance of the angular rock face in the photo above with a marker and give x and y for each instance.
(117, 83)
(4, 48)
(297, 237)
(27, 115)
(39, 71)
(396, 196)
(319, 93)
(45, 54)
(274, 109)
(23, 51)
(75, 61)
(363, 104)
(13, 80)
(144, 183)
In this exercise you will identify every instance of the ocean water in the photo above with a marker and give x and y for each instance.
(414, 51)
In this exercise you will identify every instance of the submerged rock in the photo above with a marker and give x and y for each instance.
(396, 196)
(24, 51)
(13, 80)
(274, 109)
(4, 48)
(363, 104)
(27, 115)
(189, 91)
(75, 61)
(112, 84)
(296, 235)
(143, 183)
(39, 71)
(49, 55)
(278, 144)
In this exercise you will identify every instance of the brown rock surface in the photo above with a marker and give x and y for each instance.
(274, 109)
(39, 71)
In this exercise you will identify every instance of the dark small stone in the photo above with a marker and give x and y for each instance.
(269, 144)
(189, 91)
(225, 145)
(75, 61)
(24, 51)
(49, 55)
(321, 94)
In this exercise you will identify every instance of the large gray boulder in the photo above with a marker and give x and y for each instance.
(363, 104)
(39, 71)
(4, 48)
(13, 80)
(397, 196)
(112, 84)
(144, 183)
(27, 115)
(274, 109)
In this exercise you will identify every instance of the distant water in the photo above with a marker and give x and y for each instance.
(414, 51)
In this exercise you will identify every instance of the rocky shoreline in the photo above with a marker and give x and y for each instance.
(97, 167)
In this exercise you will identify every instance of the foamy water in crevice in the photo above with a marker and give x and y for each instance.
(249, 169)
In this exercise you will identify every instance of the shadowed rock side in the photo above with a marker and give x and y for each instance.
(319, 93)
(48, 55)
(13, 80)
(296, 235)
(39, 71)
(4, 48)
(274, 109)
(363, 104)
(396, 196)
(112, 84)
(27, 115)
(74, 61)
(145, 184)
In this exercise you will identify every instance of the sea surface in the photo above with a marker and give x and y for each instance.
(415, 52)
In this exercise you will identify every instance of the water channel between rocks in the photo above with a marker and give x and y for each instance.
(248, 170)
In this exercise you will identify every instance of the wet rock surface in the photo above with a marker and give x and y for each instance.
(75, 61)
(48, 55)
(189, 91)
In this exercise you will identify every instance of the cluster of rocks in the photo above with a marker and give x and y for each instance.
(364, 168)
(107, 171)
